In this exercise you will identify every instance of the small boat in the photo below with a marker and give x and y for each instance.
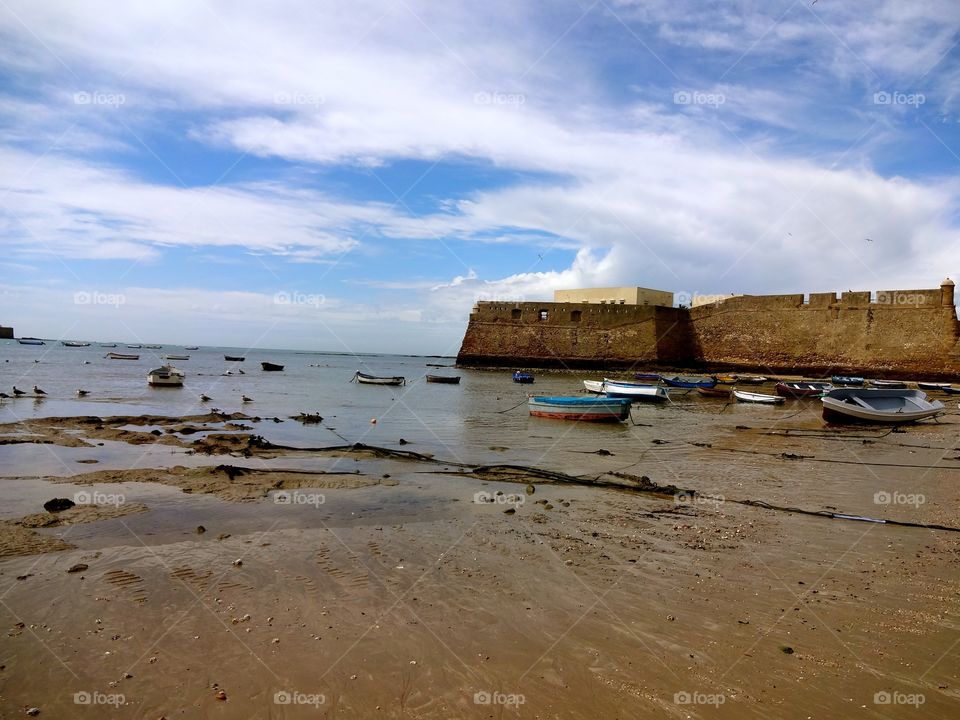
(580, 408)
(951, 390)
(690, 383)
(886, 405)
(166, 376)
(192, 347)
(888, 384)
(271, 367)
(176, 357)
(74, 343)
(134, 347)
(231, 358)
(751, 379)
(846, 380)
(938, 387)
(152, 347)
(752, 397)
(30, 341)
(121, 356)
(448, 379)
(375, 380)
(726, 379)
(802, 389)
(718, 390)
(594, 386)
(634, 391)
(646, 376)
(522, 377)
(110, 345)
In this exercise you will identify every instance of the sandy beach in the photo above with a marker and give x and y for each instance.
(247, 578)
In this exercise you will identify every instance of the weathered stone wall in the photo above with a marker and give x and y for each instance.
(897, 332)
(573, 335)
(6, 333)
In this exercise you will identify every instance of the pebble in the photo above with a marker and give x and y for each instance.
(238, 562)
(79, 567)
(33, 712)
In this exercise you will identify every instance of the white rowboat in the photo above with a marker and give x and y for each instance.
(889, 406)
(752, 397)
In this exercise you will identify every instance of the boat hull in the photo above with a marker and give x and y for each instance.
(677, 382)
(715, 391)
(271, 367)
(802, 389)
(231, 358)
(888, 406)
(522, 378)
(365, 379)
(751, 397)
(444, 379)
(586, 409)
(165, 377)
(121, 356)
(30, 341)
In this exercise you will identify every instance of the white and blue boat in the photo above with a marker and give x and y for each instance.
(621, 389)
(689, 383)
(580, 408)
(522, 377)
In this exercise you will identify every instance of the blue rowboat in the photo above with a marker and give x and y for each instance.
(646, 376)
(846, 380)
(580, 408)
(690, 383)
(522, 377)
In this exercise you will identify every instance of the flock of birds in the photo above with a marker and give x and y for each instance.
(39, 393)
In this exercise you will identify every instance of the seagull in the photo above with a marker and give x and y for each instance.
(246, 399)
(38, 391)
(204, 398)
(869, 240)
(4, 396)
(81, 393)
(18, 393)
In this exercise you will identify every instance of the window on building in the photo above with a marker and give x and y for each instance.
(575, 315)
(543, 314)
(515, 313)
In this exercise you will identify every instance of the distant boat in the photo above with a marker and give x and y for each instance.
(951, 390)
(752, 397)
(751, 379)
(632, 391)
(231, 358)
(74, 343)
(846, 380)
(448, 379)
(718, 390)
(109, 346)
(939, 387)
(689, 383)
(375, 380)
(134, 347)
(271, 367)
(191, 347)
(888, 384)
(522, 377)
(176, 357)
(802, 389)
(888, 405)
(166, 376)
(121, 356)
(153, 347)
(580, 408)
(725, 379)
(30, 341)
(646, 376)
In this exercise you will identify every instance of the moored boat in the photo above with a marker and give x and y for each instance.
(752, 397)
(232, 358)
(951, 390)
(271, 367)
(802, 389)
(166, 376)
(580, 408)
(846, 380)
(594, 386)
(74, 343)
(937, 387)
(108, 345)
(448, 379)
(690, 383)
(366, 379)
(888, 384)
(522, 377)
(191, 347)
(646, 376)
(30, 341)
(726, 379)
(176, 357)
(751, 379)
(633, 391)
(152, 347)
(121, 356)
(883, 405)
(134, 347)
(718, 390)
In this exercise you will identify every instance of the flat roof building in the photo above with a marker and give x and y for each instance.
(615, 296)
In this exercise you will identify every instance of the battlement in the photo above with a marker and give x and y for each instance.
(6, 333)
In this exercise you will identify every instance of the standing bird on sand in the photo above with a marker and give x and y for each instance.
(204, 398)
(18, 393)
(81, 393)
(4, 396)
(246, 399)
(38, 391)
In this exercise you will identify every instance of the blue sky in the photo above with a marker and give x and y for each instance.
(355, 175)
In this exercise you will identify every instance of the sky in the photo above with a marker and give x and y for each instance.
(352, 176)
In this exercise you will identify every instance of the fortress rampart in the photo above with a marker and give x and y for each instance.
(898, 332)
(6, 333)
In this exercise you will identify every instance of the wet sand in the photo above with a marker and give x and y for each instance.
(374, 580)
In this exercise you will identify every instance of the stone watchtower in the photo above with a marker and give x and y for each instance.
(946, 292)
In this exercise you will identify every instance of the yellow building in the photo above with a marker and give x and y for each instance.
(615, 296)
